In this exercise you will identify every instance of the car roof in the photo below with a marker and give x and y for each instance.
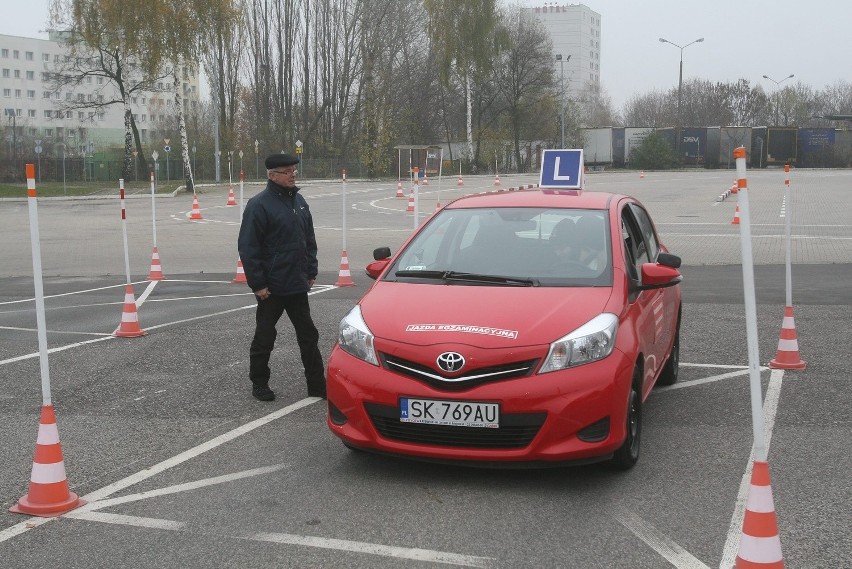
(537, 197)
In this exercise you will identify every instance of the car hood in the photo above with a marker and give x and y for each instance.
(483, 316)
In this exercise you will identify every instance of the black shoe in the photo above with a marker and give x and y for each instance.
(317, 391)
(263, 394)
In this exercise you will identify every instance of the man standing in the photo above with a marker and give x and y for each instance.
(278, 249)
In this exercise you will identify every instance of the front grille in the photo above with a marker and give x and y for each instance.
(437, 378)
(516, 430)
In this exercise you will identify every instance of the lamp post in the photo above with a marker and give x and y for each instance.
(680, 86)
(194, 171)
(562, 95)
(256, 167)
(241, 160)
(777, 87)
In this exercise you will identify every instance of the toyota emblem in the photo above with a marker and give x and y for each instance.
(450, 361)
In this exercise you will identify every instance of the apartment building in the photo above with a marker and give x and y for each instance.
(39, 111)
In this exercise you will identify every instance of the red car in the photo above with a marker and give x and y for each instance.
(512, 327)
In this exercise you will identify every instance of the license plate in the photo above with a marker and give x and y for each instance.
(443, 412)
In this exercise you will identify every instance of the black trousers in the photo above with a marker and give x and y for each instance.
(268, 313)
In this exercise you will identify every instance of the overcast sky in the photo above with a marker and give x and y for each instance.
(742, 38)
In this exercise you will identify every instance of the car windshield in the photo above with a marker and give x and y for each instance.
(510, 247)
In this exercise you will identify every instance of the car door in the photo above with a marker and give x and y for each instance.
(648, 306)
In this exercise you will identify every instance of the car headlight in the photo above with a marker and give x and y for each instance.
(355, 337)
(592, 341)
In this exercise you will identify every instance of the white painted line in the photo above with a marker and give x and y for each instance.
(414, 554)
(703, 380)
(68, 293)
(770, 408)
(119, 519)
(100, 504)
(148, 290)
(656, 540)
(716, 366)
(119, 485)
(53, 331)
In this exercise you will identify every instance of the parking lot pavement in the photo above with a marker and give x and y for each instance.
(184, 468)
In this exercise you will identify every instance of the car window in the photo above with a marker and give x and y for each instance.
(558, 246)
(635, 249)
(647, 229)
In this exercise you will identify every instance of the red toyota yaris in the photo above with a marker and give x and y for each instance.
(512, 327)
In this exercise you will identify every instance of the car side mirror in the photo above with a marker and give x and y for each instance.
(382, 257)
(659, 275)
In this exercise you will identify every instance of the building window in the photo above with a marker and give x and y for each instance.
(6, 73)
(47, 114)
(31, 113)
(28, 56)
(45, 57)
(17, 73)
(48, 132)
(45, 94)
(7, 92)
(31, 75)
(30, 93)
(100, 80)
(100, 98)
(69, 114)
(69, 96)
(16, 54)
(5, 53)
(17, 93)
(80, 115)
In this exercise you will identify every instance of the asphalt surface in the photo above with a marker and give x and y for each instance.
(182, 468)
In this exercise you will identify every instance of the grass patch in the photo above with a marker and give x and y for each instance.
(77, 188)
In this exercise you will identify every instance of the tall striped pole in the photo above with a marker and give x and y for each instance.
(760, 544)
(129, 326)
(48, 494)
(156, 272)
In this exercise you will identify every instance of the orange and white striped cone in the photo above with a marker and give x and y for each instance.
(787, 356)
(641, 174)
(425, 179)
(344, 277)
(399, 192)
(232, 199)
(497, 179)
(760, 544)
(460, 183)
(410, 207)
(49, 495)
(736, 220)
(241, 274)
(734, 189)
(156, 273)
(196, 211)
(129, 327)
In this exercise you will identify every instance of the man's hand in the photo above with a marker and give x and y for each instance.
(262, 294)
(311, 282)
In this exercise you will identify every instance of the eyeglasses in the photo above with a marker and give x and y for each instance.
(285, 172)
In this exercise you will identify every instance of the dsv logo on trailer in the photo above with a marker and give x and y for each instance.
(691, 139)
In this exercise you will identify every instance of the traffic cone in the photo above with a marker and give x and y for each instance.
(460, 183)
(497, 179)
(437, 206)
(734, 188)
(410, 202)
(232, 199)
(156, 273)
(49, 495)
(641, 173)
(425, 179)
(760, 544)
(241, 274)
(344, 277)
(736, 220)
(129, 327)
(787, 356)
(196, 211)
(399, 192)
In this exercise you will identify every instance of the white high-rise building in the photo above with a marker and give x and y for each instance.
(575, 30)
(42, 113)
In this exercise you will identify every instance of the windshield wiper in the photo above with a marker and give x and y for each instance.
(458, 276)
(489, 279)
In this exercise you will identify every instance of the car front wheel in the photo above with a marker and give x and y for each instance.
(628, 453)
(669, 373)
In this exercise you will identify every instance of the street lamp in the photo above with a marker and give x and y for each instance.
(562, 94)
(680, 85)
(777, 87)
(256, 167)
(241, 161)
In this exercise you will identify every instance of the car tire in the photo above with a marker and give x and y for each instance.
(668, 376)
(628, 453)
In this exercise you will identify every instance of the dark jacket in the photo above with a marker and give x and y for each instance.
(277, 244)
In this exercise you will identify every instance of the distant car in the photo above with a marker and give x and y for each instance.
(512, 327)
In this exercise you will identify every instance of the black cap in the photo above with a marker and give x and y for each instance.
(279, 160)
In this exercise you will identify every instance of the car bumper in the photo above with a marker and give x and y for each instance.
(577, 414)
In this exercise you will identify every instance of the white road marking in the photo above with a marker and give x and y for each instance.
(119, 519)
(659, 542)
(53, 331)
